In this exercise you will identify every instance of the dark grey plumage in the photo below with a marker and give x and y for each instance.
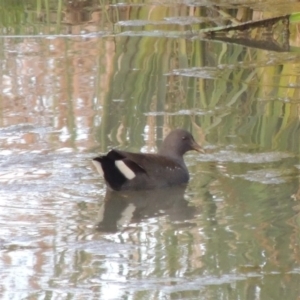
(135, 171)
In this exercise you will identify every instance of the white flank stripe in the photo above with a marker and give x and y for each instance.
(98, 166)
(126, 171)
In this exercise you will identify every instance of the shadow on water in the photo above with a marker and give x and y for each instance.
(121, 209)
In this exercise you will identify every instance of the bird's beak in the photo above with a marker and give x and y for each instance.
(197, 147)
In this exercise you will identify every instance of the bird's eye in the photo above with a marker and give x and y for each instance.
(184, 138)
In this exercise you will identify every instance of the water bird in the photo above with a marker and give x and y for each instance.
(142, 171)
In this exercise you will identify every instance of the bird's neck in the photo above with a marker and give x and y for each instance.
(172, 154)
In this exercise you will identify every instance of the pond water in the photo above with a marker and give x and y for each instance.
(82, 77)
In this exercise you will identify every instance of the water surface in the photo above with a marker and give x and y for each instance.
(78, 80)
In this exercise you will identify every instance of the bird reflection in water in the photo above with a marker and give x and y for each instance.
(120, 209)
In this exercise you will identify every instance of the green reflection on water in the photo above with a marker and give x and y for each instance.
(233, 234)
